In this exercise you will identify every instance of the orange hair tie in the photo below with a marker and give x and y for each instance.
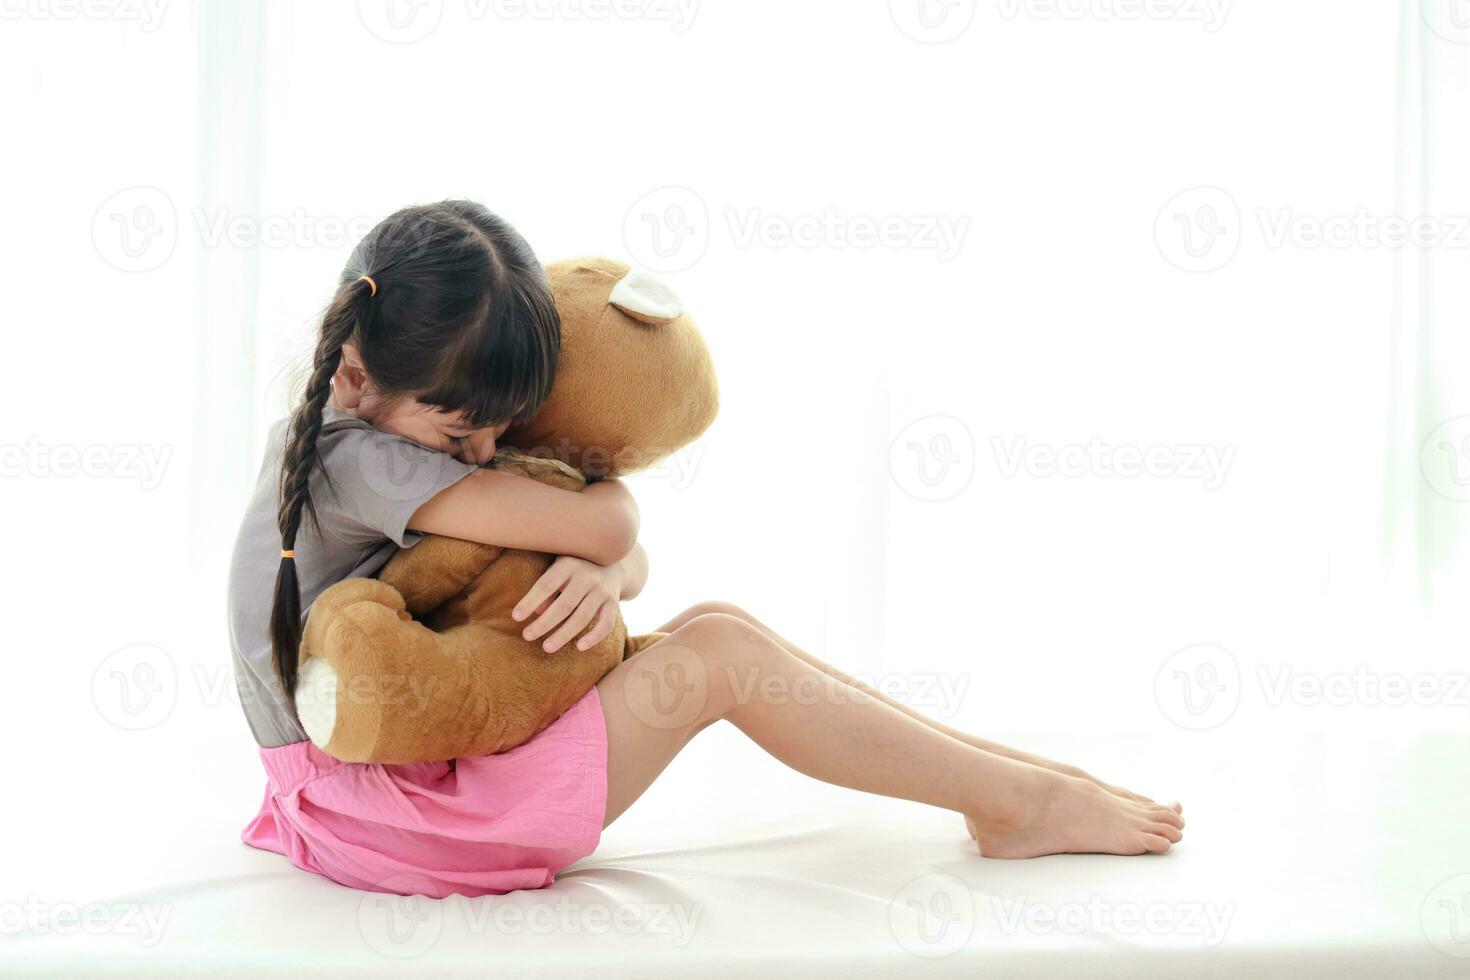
(371, 285)
(289, 554)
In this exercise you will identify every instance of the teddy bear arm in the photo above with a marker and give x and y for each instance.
(436, 569)
(548, 471)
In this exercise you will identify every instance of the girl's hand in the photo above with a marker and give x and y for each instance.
(572, 594)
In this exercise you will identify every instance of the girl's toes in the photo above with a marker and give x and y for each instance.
(1155, 844)
(1162, 815)
(1173, 834)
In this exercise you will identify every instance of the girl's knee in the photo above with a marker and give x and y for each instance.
(725, 656)
(719, 636)
(715, 608)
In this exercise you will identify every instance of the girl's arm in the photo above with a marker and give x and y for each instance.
(599, 524)
(633, 570)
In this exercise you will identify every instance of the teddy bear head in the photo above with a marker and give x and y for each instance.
(634, 381)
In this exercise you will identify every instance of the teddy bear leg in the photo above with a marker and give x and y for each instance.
(346, 631)
(435, 570)
(316, 700)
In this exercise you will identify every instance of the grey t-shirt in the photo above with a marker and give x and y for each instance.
(377, 482)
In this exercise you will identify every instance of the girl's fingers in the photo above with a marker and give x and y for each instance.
(575, 624)
(546, 586)
(607, 616)
(564, 606)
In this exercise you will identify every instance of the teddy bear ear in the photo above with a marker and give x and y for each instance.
(646, 298)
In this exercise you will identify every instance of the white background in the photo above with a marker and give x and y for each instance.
(177, 181)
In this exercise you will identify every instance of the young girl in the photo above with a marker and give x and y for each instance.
(443, 332)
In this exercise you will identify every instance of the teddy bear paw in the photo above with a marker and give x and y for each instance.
(316, 700)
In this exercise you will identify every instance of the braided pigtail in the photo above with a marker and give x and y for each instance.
(298, 461)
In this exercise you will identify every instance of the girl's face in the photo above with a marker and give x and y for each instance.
(427, 425)
(431, 426)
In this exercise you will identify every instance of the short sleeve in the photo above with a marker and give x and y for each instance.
(371, 483)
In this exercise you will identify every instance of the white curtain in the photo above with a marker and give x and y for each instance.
(1427, 453)
(925, 466)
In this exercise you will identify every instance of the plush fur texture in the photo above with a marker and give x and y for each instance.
(424, 663)
(631, 388)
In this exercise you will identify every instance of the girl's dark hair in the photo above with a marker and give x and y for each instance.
(458, 315)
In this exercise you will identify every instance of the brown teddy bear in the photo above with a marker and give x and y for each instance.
(425, 663)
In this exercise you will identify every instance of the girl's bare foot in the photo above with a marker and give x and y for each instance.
(1117, 791)
(1075, 773)
(1069, 815)
(996, 748)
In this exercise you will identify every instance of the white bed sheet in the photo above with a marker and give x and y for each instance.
(1313, 857)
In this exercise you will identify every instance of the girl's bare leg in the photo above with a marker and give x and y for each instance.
(719, 667)
(725, 608)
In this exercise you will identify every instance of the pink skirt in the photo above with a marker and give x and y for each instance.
(479, 826)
